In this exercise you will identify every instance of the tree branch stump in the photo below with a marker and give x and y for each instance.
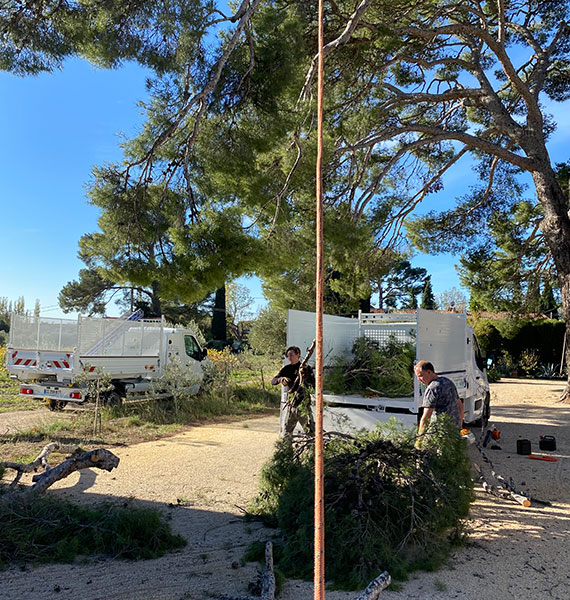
(373, 589)
(267, 580)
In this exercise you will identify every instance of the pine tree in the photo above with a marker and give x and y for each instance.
(428, 299)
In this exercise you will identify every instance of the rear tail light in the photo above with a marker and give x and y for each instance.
(75, 395)
(26, 390)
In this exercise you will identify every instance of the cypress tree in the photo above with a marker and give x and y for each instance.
(428, 300)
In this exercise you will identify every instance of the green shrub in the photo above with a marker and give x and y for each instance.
(493, 375)
(529, 361)
(45, 529)
(388, 505)
(548, 371)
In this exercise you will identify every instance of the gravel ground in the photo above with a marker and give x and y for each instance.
(201, 478)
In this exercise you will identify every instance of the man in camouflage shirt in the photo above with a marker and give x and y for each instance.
(440, 396)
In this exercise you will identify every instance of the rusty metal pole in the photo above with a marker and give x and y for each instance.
(319, 573)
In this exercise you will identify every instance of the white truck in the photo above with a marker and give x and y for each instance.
(52, 358)
(444, 339)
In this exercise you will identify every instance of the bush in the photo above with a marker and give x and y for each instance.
(43, 529)
(549, 371)
(529, 361)
(388, 505)
(516, 336)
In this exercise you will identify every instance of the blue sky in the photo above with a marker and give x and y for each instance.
(55, 129)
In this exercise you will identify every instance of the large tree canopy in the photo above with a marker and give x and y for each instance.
(411, 90)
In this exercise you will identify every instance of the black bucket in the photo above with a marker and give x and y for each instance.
(523, 447)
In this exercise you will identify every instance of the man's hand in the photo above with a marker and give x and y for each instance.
(285, 381)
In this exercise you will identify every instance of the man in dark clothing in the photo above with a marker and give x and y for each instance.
(296, 380)
(440, 396)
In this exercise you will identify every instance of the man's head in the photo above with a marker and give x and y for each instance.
(425, 372)
(293, 354)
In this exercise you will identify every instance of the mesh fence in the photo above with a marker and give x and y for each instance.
(43, 333)
(118, 337)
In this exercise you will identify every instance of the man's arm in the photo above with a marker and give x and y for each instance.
(278, 378)
(428, 412)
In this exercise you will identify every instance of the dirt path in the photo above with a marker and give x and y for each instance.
(22, 420)
(513, 552)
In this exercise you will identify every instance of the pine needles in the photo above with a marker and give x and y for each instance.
(385, 370)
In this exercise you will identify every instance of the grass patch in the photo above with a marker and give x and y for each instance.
(389, 506)
(10, 398)
(44, 530)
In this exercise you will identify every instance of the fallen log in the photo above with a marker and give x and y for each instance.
(373, 589)
(100, 459)
(40, 461)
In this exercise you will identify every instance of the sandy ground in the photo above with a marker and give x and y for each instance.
(513, 552)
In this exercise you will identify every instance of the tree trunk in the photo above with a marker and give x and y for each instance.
(380, 296)
(219, 317)
(155, 300)
(556, 229)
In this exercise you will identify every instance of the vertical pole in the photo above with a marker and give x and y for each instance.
(319, 574)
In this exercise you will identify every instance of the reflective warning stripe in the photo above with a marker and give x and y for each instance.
(25, 362)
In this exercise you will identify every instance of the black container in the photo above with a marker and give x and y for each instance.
(547, 442)
(523, 447)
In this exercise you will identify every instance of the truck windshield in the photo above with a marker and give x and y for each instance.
(192, 348)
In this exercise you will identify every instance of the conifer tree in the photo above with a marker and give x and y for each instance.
(428, 299)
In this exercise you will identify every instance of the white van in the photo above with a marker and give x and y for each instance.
(442, 338)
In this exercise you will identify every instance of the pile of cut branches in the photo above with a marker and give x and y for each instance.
(389, 506)
(385, 370)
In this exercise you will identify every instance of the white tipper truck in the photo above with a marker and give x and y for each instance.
(52, 357)
(442, 338)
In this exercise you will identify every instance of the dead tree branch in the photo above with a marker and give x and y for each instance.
(40, 461)
(100, 459)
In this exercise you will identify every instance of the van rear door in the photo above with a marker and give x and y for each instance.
(441, 339)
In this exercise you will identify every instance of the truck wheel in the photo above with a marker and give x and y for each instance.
(113, 399)
(57, 405)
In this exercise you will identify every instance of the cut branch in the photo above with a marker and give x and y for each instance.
(100, 459)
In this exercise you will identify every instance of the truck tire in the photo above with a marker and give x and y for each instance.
(113, 399)
(57, 405)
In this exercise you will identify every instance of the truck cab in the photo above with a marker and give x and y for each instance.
(183, 346)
